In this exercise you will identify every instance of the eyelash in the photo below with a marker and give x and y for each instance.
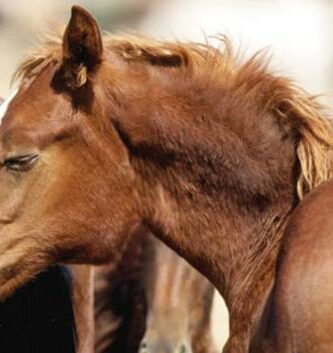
(21, 163)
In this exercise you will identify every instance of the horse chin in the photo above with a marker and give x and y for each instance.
(12, 284)
(21, 259)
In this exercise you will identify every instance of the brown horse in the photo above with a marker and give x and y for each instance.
(300, 315)
(107, 136)
(178, 299)
(156, 293)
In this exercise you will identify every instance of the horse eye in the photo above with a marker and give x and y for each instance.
(21, 163)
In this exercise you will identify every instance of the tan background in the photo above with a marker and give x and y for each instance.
(298, 32)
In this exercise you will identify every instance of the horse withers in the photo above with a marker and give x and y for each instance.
(109, 135)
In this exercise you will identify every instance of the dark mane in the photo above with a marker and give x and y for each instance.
(293, 107)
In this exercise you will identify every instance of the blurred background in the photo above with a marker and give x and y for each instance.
(298, 34)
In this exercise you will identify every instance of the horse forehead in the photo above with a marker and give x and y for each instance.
(32, 119)
(34, 97)
(33, 106)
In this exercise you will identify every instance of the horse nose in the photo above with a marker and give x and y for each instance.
(146, 347)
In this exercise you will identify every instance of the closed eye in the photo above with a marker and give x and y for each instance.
(21, 163)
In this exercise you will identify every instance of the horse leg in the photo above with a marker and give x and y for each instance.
(202, 339)
(120, 313)
(83, 305)
(107, 320)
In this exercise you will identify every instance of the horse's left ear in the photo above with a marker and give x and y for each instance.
(82, 48)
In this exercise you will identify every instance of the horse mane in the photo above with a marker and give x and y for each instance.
(291, 105)
(315, 147)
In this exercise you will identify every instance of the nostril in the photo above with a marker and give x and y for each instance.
(143, 347)
(183, 348)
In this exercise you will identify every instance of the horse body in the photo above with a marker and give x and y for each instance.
(210, 156)
(301, 312)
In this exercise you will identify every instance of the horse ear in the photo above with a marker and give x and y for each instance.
(82, 47)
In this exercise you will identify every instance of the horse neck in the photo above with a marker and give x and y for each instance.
(218, 191)
(252, 271)
(235, 249)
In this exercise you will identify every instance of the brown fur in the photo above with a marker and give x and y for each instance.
(299, 314)
(209, 154)
(83, 304)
